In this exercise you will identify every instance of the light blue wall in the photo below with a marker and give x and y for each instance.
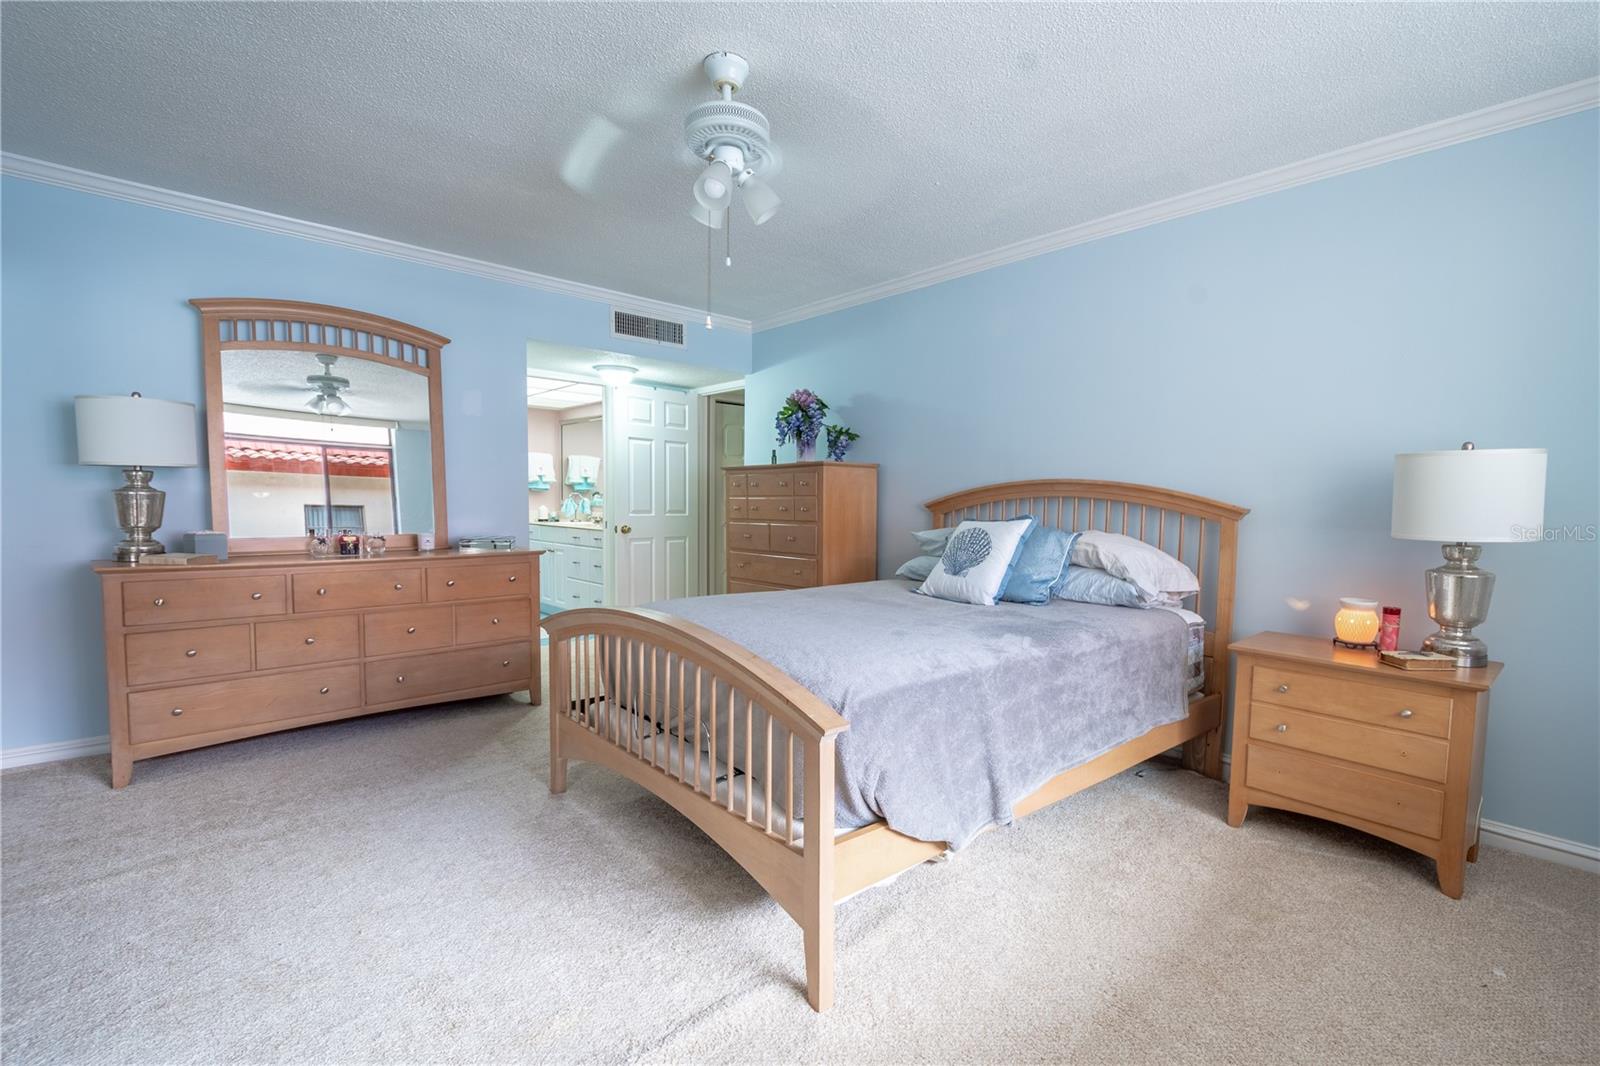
(94, 301)
(1276, 354)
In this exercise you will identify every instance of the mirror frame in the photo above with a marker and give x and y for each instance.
(243, 324)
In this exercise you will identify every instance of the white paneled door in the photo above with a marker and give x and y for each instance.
(652, 496)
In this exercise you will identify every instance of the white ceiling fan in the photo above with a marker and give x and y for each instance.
(736, 141)
(328, 387)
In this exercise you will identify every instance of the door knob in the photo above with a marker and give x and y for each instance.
(624, 529)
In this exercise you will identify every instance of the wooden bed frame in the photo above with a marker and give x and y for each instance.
(627, 688)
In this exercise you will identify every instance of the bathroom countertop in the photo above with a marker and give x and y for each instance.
(564, 524)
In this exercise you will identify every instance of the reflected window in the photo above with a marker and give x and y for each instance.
(287, 475)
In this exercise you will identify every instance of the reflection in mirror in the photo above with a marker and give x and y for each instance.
(326, 442)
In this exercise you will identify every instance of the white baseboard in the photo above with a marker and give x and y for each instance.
(61, 749)
(1571, 853)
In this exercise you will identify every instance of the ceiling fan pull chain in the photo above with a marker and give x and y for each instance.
(728, 259)
(709, 235)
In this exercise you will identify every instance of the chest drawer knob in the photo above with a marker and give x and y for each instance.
(192, 652)
(411, 629)
(512, 578)
(505, 662)
(398, 586)
(399, 679)
(177, 712)
(1282, 728)
(311, 640)
(1406, 712)
(324, 690)
(255, 595)
(160, 602)
(494, 621)
(1283, 688)
(322, 592)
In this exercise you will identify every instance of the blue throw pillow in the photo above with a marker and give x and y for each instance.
(931, 543)
(1041, 566)
(1087, 584)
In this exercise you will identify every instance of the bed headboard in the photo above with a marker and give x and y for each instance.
(1202, 533)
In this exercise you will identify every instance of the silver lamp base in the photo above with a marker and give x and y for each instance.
(139, 511)
(1458, 599)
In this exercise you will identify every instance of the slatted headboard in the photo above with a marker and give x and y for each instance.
(1200, 532)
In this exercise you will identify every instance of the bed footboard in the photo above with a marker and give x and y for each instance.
(733, 743)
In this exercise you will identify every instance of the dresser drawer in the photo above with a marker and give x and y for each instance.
(185, 710)
(770, 484)
(442, 672)
(494, 620)
(201, 599)
(1386, 705)
(177, 654)
(343, 590)
(780, 508)
(795, 538)
(1387, 749)
(749, 586)
(806, 482)
(736, 484)
(415, 629)
(576, 593)
(772, 569)
(747, 536)
(738, 507)
(480, 581)
(1414, 808)
(304, 641)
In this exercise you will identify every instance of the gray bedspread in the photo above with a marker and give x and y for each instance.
(958, 711)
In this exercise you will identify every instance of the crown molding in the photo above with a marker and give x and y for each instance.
(40, 170)
(1539, 107)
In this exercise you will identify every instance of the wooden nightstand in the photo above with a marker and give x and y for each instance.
(1331, 732)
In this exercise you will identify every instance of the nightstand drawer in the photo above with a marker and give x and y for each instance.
(1414, 808)
(1394, 706)
(1387, 749)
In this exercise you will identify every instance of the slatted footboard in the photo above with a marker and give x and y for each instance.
(733, 743)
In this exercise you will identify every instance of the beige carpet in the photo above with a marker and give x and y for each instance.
(404, 889)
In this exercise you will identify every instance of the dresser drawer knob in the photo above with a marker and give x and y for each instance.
(324, 690)
(741, 566)
(255, 595)
(505, 662)
(494, 621)
(1282, 728)
(192, 652)
(450, 584)
(746, 536)
(398, 586)
(177, 712)
(322, 592)
(796, 573)
(160, 602)
(789, 539)
(1283, 688)
(1406, 712)
(411, 629)
(399, 679)
(311, 640)
(513, 577)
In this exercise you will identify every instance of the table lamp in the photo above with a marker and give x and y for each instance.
(1466, 498)
(135, 433)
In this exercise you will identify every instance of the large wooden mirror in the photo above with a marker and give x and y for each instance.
(320, 417)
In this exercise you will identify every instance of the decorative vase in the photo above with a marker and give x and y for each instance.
(804, 453)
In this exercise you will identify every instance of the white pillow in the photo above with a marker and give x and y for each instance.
(1158, 576)
(977, 561)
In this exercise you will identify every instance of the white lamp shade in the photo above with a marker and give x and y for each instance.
(759, 200)
(1477, 495)
(135, 431)
(714, 187)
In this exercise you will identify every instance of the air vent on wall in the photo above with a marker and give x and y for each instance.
(641, 327)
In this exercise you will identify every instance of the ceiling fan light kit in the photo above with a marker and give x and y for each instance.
(736, 141)
(328, 386)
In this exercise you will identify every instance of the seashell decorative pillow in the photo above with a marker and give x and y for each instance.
(977, 561)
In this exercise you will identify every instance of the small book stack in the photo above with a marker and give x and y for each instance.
(1419, 660)
(176, 559)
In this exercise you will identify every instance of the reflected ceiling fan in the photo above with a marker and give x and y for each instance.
(328, 388)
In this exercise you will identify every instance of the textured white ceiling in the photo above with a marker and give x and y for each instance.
(912, 134)
(277, 381)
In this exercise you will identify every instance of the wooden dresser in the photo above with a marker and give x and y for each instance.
(1331, 732)
(797, 525)
(199, 655)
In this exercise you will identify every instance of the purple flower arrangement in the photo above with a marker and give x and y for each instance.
(801, 418)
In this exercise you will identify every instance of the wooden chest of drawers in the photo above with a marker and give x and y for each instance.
(1331, 732)
(801, 524)
(199, 655)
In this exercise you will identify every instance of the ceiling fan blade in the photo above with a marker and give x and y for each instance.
(586, 159)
